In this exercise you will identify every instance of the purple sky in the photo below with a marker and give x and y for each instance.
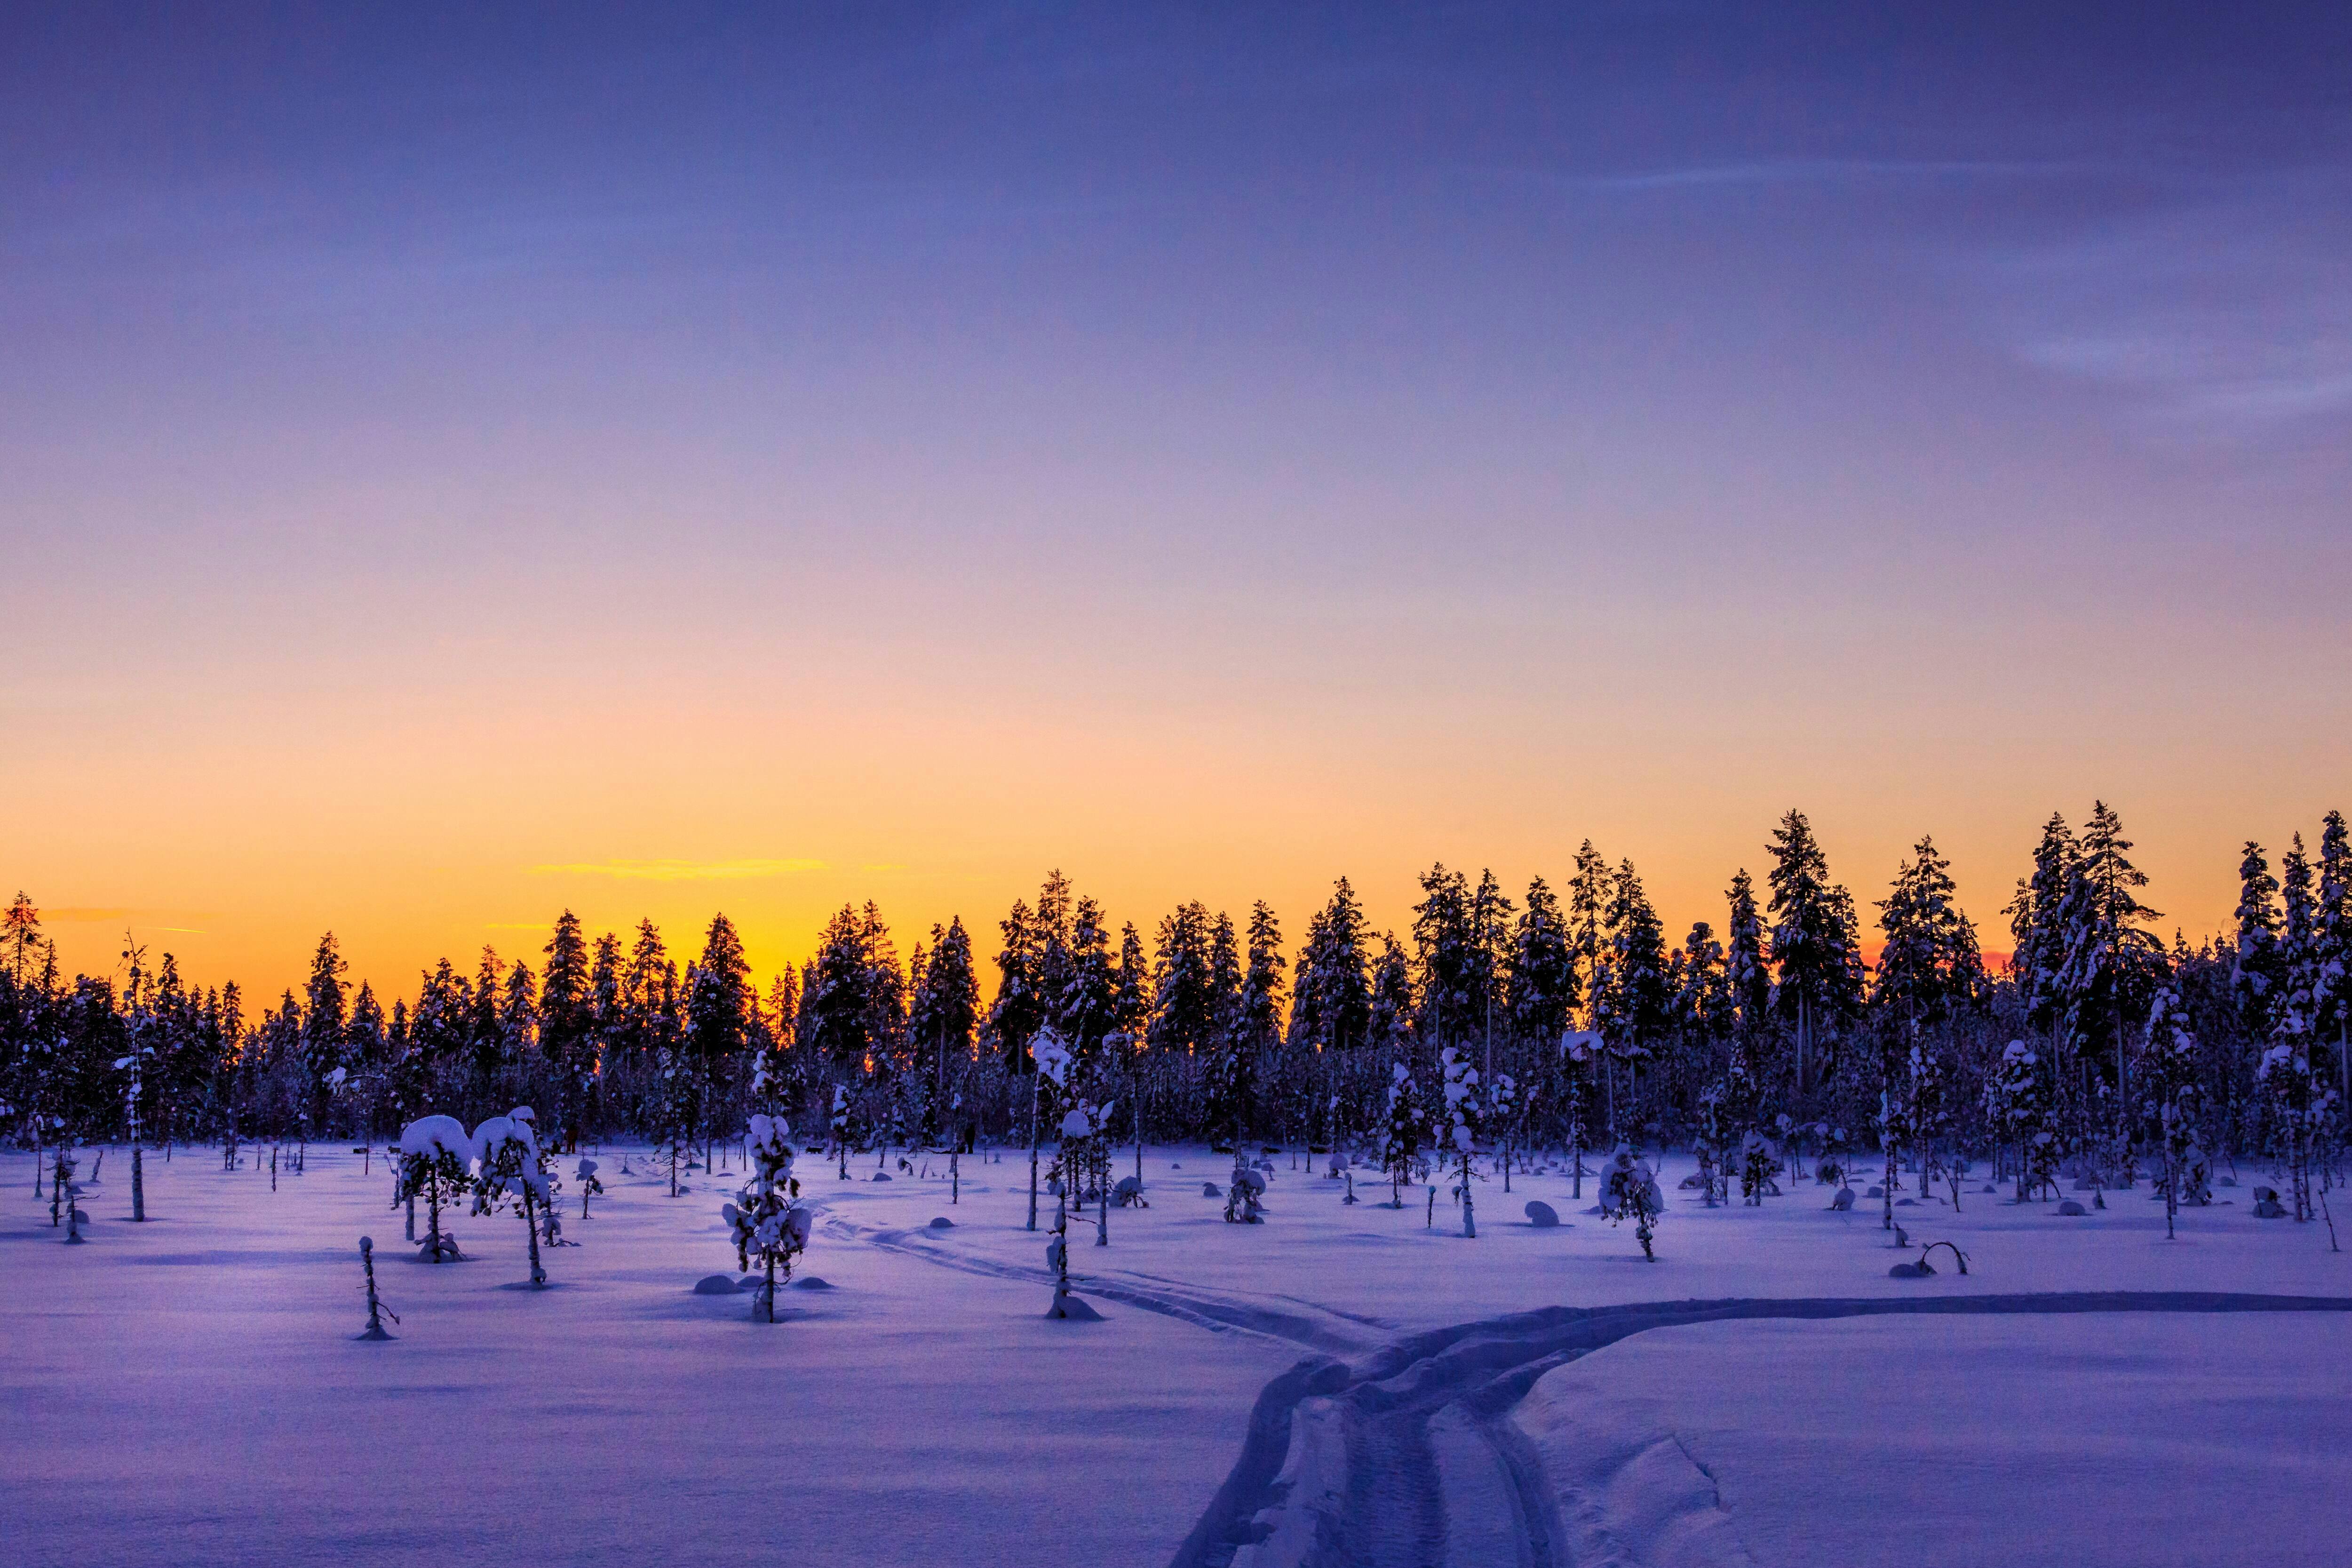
(1628, 423)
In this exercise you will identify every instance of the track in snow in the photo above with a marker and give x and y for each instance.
(1410, 1459)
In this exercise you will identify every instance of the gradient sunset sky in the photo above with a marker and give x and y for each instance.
(453, 466)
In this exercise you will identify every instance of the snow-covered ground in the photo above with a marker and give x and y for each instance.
(1342, 1384)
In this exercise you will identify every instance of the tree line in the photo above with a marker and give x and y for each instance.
(1586, 1025)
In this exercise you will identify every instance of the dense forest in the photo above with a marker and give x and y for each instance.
(1582, 1024)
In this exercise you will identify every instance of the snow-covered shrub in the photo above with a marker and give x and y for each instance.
(436, 1154)
(1760, 1165)
(770, 1222)
(1629, 1190)
(506, 1171)
(1401, 1134)
(1460, 1127)
(2171, 1083)
(2019, 1102)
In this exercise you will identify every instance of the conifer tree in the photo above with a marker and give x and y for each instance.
(2112, 966)
(1929, 965)
(2020, 1103)
(2332, 949)
(769, 1222)
(1445, 949)
(567, 1023)
(1542, 980)
(2036, 935)
(1745, 969)
(2170, 1082)
(719, 1006)
(436, 1154)
(1588, 902)
(1400, 1132)
(1459, 1084)
(2254, 973)
(1629, 1190)
(1185, 1006)
(509, 1169)
(1813, 950)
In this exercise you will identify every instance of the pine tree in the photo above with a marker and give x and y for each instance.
(1331, 996)
(1588, 903)
(2255, 973)
(1184, 1007)
(1400, 1132)
(2020, 1102)
(2036, 934)
(436, 1154)
(1459, 1084)
(1232, 1069)
(2111, 965)
(1745, 969)
(509, 1169)
(2170, 1082)
(1929, 966)
(1629, 1190)
(1632, 1004)
(1446, 950)
(2332, 949)
(770, 1222)
(1542, 987)
(567, 1024)
(719, 1006)
(1813, 951)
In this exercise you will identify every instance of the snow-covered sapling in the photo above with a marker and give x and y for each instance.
(770, 1224)
(1759, 1163)
(589, 1184)
(435, 1154)
(1401, 1133)
(1461, 1125)
(506, 1170)
(1629, 1190)
(377, 1310)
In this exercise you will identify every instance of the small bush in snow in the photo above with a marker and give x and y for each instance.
(436, 1154)
(770, 1222)
(1629, 1190)
(506, 1171)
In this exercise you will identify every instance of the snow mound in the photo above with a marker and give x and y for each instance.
(1073, 1310)
(2070, 1207)
(942, 1222)
(1541, 1215)
(811, 1282)
(716, 1285)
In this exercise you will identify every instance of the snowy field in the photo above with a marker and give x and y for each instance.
(1341, 1385)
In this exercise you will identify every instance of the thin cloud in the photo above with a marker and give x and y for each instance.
(681, 871)
(1795, 172)
(82, 917)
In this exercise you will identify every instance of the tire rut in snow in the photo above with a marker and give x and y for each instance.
(1279, 1505)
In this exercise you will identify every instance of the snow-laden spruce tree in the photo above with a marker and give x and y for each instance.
(770, 1223)
(1460, 1125)
(1401, 1133)
(507, 1171)
(2171, 1082)
(1629, 1190)
(2021, 1105)
(436, 1153)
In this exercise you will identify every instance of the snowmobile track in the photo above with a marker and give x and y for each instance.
(1282, 1505)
